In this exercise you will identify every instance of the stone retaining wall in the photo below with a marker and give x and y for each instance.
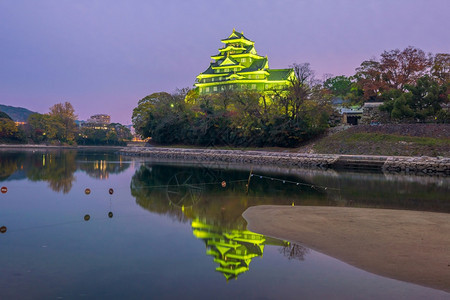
(388, 164)
(417, 165)
(237, 156)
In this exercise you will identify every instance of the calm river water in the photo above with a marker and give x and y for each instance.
(147, 229)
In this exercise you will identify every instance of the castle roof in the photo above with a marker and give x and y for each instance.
(279, 74)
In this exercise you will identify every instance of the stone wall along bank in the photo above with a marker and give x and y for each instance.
(388, 164)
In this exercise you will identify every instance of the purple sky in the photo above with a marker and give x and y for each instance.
(103, 56)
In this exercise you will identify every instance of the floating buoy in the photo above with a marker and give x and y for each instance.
(293, 204)
(4, 189)
(111, 191)
(3, 229)
(87, 191)
(87, 217)
(110, 214)
(224, 183)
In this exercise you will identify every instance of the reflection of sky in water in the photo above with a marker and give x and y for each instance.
(49, 251)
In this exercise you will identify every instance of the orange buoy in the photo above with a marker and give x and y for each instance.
(4, 189)
(110, 214)
(87, 217)
(87, 191)
(3, 229)
(111, 191)
(224, 183)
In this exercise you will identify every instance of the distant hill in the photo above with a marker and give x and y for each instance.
(4, 115)
(18, 114)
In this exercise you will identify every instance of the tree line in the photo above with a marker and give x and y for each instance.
(412, 85)
(58, 127)
(235, 118)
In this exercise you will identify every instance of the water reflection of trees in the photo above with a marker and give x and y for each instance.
(154, 187)
(294, 251)
(9, 163)
(377, 190)
(57, 167)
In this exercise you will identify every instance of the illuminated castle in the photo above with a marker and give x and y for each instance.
(239, 67)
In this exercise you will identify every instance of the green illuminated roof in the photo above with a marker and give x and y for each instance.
(279, 74)
(235, 35)
(257, 65)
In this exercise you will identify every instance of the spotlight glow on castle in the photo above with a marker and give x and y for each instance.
(239, 67)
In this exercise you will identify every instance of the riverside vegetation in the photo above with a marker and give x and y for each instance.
(58, 127)
(412, 85)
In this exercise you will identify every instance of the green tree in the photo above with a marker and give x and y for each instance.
(42, 127)
(8, 129)
(338, 86)
(422, 100)
(143, 115)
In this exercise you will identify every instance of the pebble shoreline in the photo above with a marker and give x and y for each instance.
(388, 164)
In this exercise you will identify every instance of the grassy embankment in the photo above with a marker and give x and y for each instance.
(398, 140)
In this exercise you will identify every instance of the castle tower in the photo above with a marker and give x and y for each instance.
(239, 67)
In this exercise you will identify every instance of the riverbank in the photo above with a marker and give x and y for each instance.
(53, 147)
(388, 164)
(409, 246)
(386, 139)
(422, 165)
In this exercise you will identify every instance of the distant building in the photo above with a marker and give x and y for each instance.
(99, 119)
(20, 123)
(239, 67)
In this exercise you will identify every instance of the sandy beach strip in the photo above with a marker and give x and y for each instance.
(410, 246)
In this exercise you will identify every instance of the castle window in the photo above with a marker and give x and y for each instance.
(244, 59)
(253, 86)
(227, 70)
(215, 89)
(207, 89)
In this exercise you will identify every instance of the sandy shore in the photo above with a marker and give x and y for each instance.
(404, 245)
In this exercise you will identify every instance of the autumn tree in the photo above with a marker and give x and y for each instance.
(8, 128)
(399, 68)
(9, 131)
(369, 80)
(440, 68)
(64, 116)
